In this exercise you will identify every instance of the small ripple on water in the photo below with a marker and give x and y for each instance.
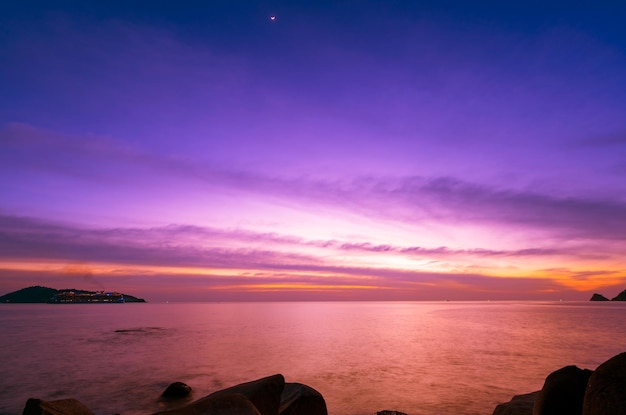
(141, 330)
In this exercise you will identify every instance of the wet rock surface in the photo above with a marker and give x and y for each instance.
(563, 392)
(59, 407)
(518, 405)
(299, 399)
(176, 390)
(228, 404)
(606, 389)
(264, 393)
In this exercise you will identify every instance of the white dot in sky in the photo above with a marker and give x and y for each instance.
(272, 18)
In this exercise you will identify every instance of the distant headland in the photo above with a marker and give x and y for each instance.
(599, 297)
(39, 294)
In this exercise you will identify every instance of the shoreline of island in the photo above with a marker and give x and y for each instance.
(46, 295)
(40, 294)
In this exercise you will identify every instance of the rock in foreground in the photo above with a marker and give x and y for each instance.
(567, 391)
(606, 390)
(232, 404)
(264, 393)
(299, 399)
(518, 405)
(176, 390)
(60, 407)
(571, 391)
(563, 392)
(266, 396)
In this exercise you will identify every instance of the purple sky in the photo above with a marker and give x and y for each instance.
(346, 150)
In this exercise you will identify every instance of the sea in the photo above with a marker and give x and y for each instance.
(421, 358)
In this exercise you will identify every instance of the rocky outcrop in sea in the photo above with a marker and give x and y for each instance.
(567, 391)
(599, 297)
(620, 297)
(574, 391)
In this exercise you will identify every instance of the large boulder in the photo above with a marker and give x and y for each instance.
(176, 390)
(563, 392)
(264, 393)
(299, 399)
(229, 404)
(606, 389)
(259, 397)
(59, 407)
(518, 405)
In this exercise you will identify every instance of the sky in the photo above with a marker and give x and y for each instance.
(344, 150)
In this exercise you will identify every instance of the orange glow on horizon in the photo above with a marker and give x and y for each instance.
(370, 278)
(262, 287)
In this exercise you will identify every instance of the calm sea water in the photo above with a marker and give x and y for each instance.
(415, 357)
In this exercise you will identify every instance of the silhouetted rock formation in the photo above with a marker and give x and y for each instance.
(563, 392)
(264, 393)
(598, 297)
(231, 404)
(603, 391)
(569, 390)
(266, 396)
(176, 390)
(60, 407)
(606, 390)
(518, 405)
(620, 297)
(299, 399)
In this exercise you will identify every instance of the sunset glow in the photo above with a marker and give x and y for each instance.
(213, 155)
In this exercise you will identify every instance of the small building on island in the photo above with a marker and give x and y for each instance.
(64, 297)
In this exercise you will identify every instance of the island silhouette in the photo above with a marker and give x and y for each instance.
(39, 294)
(599, 297)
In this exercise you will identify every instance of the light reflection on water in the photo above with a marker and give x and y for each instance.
(420, 358)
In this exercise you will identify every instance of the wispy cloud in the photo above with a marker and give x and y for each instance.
(187, 245)
(228, 263)
(401, 199)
